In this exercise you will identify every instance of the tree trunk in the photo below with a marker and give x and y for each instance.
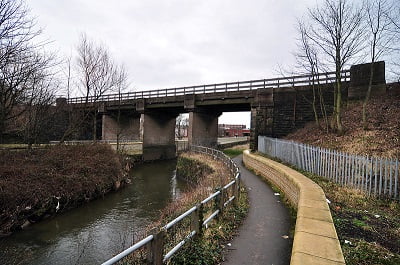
(94, 126)
(313, 103)
(339, 108)
(371, 77)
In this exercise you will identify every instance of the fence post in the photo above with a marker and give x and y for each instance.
(386, 176)
(196, 220)
(219, 203)
(236, 191)
(156, 249)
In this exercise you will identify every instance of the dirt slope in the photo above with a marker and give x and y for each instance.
(381, 139)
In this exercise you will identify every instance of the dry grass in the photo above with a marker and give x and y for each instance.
(32, 182)
(381, 139)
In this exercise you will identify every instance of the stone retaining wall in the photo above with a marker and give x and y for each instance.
(315, 239)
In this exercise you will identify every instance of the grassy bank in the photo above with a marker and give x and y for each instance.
(381, 138)
(35, 184)
(235, 150)
(368, 228)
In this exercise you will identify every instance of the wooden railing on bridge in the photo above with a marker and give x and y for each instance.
(291, 81)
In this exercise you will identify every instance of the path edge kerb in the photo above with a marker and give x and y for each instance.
(315, 239)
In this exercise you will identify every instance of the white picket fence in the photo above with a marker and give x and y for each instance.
(374, 175)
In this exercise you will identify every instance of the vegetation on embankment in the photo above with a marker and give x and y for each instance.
(368, 228)
(235, 150)
(191, 169)
(382, 138)
(214, 175)
(35, 184)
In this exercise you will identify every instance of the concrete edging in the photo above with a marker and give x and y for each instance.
(315, 239)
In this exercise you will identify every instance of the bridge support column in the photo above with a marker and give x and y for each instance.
(126, 127)
(203, 127)
(261, 124)
(159, 135)
(262, 116)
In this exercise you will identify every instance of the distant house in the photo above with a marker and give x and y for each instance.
(232, 130)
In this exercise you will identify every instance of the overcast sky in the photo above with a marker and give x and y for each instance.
(179, 43)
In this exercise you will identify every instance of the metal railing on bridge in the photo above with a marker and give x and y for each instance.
(374, 175)
(210, 208)
(291, 81)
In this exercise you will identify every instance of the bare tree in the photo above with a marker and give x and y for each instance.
(381, 39)
(337, 30)
(395, 18)
(98, 74)
(182, 124)
(122, 79)
(19, 60)
(38, 117)
(307, 58)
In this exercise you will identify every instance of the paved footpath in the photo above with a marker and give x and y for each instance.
(260, 239)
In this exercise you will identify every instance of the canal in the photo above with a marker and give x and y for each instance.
(100, 229)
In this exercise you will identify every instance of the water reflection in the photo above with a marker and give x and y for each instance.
(96, 231)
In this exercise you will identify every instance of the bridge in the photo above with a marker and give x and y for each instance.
(278, 106)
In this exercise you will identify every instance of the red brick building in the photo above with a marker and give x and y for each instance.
(232, 130)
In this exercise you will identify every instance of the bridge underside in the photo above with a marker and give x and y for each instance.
(159, 118)
(159, 135)
(121, 125)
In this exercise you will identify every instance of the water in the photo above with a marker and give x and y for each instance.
(100, 229)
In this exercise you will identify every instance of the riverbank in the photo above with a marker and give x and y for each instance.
(36, 184)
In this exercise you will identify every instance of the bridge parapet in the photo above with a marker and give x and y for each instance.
(240, 86)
